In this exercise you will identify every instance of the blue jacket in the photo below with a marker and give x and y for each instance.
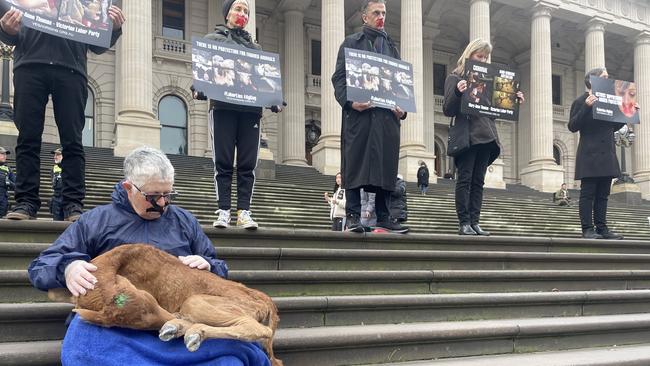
(105, 227)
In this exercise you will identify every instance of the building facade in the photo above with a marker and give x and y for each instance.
(139, 92)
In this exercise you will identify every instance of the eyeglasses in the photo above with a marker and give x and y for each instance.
(155, 197)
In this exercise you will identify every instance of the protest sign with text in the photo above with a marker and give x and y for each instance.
(85, 22)
(236, 74)
(491, 91)
(616, 100)
(382, 80)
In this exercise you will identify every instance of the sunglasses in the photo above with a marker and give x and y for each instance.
(155, 197)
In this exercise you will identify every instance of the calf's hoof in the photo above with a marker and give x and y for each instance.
(167, 332)
(192, 341)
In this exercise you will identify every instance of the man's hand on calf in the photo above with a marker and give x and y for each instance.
(78, 278)
(195, 261)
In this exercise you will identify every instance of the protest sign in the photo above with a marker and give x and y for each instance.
(616, 100)
(382, 80)
(491, 91)
(236, 74)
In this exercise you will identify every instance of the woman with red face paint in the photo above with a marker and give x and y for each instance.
(234, 126)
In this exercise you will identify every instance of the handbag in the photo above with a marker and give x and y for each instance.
(458, 137)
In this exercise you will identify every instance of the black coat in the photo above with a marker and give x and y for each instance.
(398, 207)
(482, 130)
(596, 155)
(423, 176)
(370, 139)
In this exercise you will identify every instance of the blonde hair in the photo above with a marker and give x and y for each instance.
(477, 45)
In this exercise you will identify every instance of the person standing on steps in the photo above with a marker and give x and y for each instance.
(370, 136)
(484, 142)
(47, 65)
(234, 127)
(337, 205)
(596, 162)
(423, 178)
(56, 203)
(7, 181)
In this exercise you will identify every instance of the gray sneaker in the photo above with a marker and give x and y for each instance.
(223, 219)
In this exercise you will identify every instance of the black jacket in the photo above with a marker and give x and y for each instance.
(226, 35)
(370, 139)
(35, 47)
(7, 179)
(482, 130)
(423, 176)
(398, 208)
(596, 155)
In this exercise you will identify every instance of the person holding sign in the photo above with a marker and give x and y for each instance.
(47, 65)
(484, 141)
(370, 136)
(596, 162)
(233, 126)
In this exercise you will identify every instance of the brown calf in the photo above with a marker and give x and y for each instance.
(142, 287)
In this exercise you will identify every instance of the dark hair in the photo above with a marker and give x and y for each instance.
(336, 185)
(595, 72)
(366, 3)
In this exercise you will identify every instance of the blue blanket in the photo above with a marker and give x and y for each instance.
(87, 344)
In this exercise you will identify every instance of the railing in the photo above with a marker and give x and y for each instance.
(438, 100)
(561, 112)
(312, 84)
(173, 47)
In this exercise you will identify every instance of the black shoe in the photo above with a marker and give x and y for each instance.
(393, 226)
(608, 234)
(466, 229)
(21, 212)
(591, 234)
(477, 229)
(72, 212)
(353, 223)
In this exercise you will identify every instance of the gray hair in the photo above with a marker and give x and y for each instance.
(367, 3)
(595, 72)
(145, 164)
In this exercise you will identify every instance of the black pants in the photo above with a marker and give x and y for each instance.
(230, 130)
(337, 224)
(471, 168)
(4, 203)
(353, 202)
(56, 208)
(594, 193)
(69, 89)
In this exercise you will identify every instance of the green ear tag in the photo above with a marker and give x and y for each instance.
(120, 300)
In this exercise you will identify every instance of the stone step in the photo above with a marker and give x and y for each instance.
(41, 353)
(636, 355)
(16, 287)
(350, 345)
(45, 321)
(15, 256)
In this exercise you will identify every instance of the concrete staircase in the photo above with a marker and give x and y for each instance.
(426, 298)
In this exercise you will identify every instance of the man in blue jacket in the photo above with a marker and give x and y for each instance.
(141, 212)
(46, 65)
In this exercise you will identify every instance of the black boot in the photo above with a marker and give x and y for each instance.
(353, 223)
(392, 226)
(480, 231)
(466, 229)
(591, 234)
(608, 234)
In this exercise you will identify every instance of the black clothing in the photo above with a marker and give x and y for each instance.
(7, 182)
(482, 130)
(337, 224)
(423, 176)
(56, 203)
(69, 89)
(472, 166)
(596, 156)
(353, 203)
(242, 38)
(227, 129)
(398, 207)
(37, 48)
(370, 139)
(594, 193)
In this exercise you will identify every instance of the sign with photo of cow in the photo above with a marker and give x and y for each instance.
(235, 74)
(382, 80)
(81, 21)
(491, 91)
(616, 100)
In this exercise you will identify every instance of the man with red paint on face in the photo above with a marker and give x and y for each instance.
(370, 136)
(234, 126)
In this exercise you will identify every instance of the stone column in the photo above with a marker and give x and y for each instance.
(541, 173)
(429, 112)
(594, 44)
(8, 130)
(412, 149)
(479, 20)
(252, 19)
(294, 86)
(642, 130)
(326, 155)
(215, 14)
(136, 124)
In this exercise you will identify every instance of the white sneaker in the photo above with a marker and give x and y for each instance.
(223, 219)
(244, 220)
